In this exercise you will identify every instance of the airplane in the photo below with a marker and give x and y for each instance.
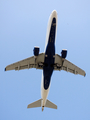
(48, 62)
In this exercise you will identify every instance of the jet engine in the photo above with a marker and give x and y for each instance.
(64, 53)
(36, 51)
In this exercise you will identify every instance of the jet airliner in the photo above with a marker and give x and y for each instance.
(48, 62)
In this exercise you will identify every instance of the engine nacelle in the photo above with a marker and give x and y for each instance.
(36, 51)
(64, 53)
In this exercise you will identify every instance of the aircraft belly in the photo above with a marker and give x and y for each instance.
(49, 55)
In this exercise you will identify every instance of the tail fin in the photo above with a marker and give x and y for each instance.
(50, 105)
(35, 104)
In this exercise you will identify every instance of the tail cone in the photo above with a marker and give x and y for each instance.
(42, 108)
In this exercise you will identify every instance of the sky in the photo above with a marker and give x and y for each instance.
(23, 25)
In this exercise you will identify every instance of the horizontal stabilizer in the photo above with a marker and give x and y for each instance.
(50, 105)
(35, 104)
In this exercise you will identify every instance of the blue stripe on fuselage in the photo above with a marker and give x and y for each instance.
(49, 55)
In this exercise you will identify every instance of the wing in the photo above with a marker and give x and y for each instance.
(63, 64)
(30, 62)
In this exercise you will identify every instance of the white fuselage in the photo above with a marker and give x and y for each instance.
(44, 93)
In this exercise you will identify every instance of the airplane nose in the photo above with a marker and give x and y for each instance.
(54, 13)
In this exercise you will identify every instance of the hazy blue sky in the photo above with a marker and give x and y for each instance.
(23, 25)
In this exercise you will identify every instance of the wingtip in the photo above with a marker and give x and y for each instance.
(85, 75)
(5, 69)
